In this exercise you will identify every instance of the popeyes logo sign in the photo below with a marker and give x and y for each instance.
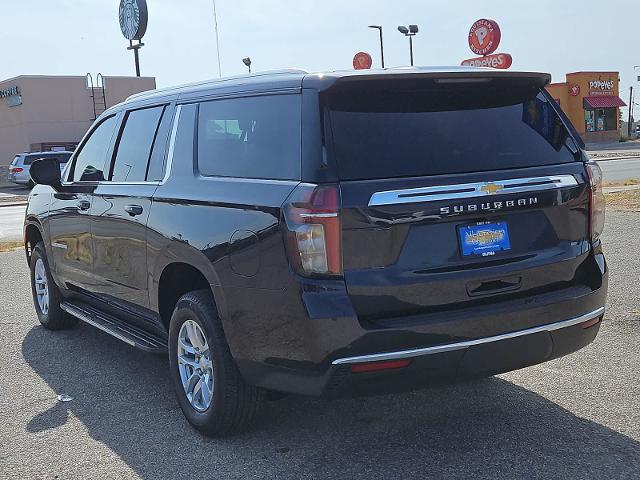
(499, 60)
(484, 37)
(601, 87)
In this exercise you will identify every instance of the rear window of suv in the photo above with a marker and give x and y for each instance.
(444, 129)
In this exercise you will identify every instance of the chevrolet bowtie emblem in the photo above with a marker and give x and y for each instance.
(491, 188)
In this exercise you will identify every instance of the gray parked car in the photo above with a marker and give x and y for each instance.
(19, 168)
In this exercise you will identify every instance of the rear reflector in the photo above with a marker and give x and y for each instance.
(377, 366)
(590, 323)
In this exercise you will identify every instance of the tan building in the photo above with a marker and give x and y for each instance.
(591, 101)
(41, 113)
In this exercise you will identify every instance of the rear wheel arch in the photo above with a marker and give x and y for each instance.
(176, 279)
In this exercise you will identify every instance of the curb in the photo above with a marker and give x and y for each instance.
(13, 204)
(621, 188)
(606, 159)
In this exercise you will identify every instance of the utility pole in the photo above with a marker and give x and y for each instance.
(630, 111)
(215, 24)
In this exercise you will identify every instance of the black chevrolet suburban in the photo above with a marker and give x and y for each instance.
(341, 233)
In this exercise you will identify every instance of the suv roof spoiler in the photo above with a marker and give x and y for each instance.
(325, 81)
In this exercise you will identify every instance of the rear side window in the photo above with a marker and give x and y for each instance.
(16, 160)
(61, 158)
(90, 161)
(136, 144)
(444, 129)
(64, 157)
(29, 159)
(253, 137)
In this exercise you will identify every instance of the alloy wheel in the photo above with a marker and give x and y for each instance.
(41, 286)
(195, 365)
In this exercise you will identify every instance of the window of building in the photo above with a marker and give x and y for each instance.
(135, 144)
(600, 120)
(90, 161)
(253, 137)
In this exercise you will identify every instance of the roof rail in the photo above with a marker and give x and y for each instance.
(167, 90)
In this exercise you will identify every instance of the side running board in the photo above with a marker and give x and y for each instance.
(115, 327)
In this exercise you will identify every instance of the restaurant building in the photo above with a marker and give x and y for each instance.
(592, 102)
(42, 113)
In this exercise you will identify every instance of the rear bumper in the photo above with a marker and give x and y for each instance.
(18, 178)
(311, 346)
(435, 365)
(450, 347)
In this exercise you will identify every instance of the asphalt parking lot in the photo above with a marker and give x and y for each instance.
(576, 417)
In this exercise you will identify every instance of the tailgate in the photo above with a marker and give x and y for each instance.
(454, 193)
(406, 252)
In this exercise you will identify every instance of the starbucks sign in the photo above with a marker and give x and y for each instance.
(133, 18)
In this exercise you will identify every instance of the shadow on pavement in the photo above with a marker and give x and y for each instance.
(484, 429)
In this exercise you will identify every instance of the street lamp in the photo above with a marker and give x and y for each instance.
(379, 27)
(409, 32)
(247, 62)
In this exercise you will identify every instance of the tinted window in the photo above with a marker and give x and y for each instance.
(29, 159)
(63, 157)
(447, 129)
(257, 137)
(155, 171)
(89, 163)
(16, 160)
(135, 145)
(60, 157)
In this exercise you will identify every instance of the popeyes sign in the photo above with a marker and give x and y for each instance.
(484, 38)
(601, 87)
(499, 60)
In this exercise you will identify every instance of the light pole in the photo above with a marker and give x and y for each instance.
(629, 125)
(379, 27)
(409, 32)
(247, 62)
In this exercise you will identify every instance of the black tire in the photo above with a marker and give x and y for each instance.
(55, 318)
(31, 184)
(234, 404)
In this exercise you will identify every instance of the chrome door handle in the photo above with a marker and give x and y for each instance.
(84, 204)
(133, 210)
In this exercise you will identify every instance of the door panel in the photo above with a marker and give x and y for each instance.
(70, 233)
(118, 223)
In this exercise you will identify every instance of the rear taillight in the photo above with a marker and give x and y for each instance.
(312, 221)
(596, 202)
(15, 169)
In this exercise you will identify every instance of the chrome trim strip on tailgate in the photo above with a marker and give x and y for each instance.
(471, 190)
(470, 343)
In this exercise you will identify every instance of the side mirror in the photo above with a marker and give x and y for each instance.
(46, 171)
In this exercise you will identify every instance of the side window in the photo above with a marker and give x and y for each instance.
(155, 171)
(89, 163)
(135, 144)
(252, 137)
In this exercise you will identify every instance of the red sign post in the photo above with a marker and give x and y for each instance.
(362, 61)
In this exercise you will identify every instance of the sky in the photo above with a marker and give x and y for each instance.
(71, 37)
